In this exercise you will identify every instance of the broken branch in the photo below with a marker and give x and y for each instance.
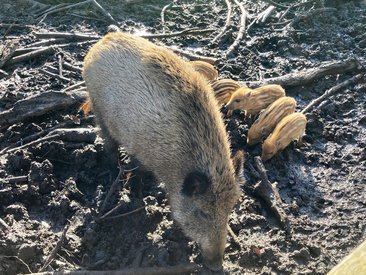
(39, 105)
(30, 55)
(56, 249)
(180, 33)
(332, 91)
(110, 192)
(66, 35)
(309, 75)
(227, 22)
(241, 31)
(192, 56)
(87, 135)
(59, 77)
(269, 193)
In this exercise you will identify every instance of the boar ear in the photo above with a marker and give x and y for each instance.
(195, 183)
(263, 130)
(238, 161)
(248, 94)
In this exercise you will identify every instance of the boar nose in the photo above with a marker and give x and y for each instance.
(264, 157)
(213, 260)
(213, 264)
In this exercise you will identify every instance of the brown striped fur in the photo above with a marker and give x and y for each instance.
(269, 118)
(162, 111)
(291, 127)
(255, 100)
(223, 89)
(206, 69)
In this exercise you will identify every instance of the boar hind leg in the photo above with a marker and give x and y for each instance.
(111, 155)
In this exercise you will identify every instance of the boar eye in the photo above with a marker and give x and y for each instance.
(237, 100)
(195, 183)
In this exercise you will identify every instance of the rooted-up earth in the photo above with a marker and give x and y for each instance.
(55, 182)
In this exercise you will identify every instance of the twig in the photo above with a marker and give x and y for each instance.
(7, 25)
(332, 91)
(192, 56)
(87, 135)
(40, 134)
(110, 191)
(30, 55)
(180, 33)
(269, 193)
(20, 260)
(51, 10)
(309, 75)
(59, 77)
(3, 73)
(39, 105)
(267, 13)
(105, 13)
(227, 22)
(26, 50)
(124, 214)
(233, 236)
(46, 42)
(66, 35)
(241, 31)
(50, 137)
(13, 180)
(81, 83)
(162, 14)
(166, 270)
(76, 43)
(263, 16)
(72, 67)
(3, 224)
(56, 249)
(60, 70)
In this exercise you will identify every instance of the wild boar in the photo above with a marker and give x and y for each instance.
(254, 100)
(206, 69)
(291, 127)
(223, 89)
(160, 109)
(269, 118)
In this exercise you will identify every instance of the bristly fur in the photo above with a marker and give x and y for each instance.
(163, 112)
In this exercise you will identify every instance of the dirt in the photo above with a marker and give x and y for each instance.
(55, 183)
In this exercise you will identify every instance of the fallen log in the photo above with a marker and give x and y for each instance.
(39, 105)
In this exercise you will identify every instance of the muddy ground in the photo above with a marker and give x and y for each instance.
(46, 186)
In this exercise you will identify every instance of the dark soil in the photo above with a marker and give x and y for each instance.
(322, 184)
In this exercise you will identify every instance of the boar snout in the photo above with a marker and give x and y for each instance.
(213, 262)
(213, 254)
